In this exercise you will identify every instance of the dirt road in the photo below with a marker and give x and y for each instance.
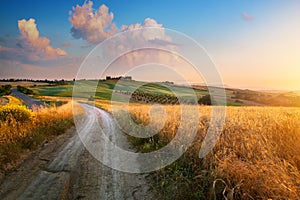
(64, 169)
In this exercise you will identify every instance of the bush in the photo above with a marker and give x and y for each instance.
(205, 100)
(22, 130)
(24, 90)
(5, 90)
(19, 113)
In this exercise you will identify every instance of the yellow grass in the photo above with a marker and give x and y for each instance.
(13, 100)
(3, 101)
(256, 157)
(17, 136)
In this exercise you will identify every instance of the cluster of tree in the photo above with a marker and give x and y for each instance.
(24, 90)
(129, 78)
(5, 90)
(205, 100)
(55, 82)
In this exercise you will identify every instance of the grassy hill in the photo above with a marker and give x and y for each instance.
(121, 88)
(124, 89)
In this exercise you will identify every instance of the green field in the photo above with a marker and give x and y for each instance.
(60, 91)
(123, 89)
(106, 88)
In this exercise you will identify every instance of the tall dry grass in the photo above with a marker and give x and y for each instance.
(257, 155)
(18, 136)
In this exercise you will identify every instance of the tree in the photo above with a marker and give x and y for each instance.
(205, 100)
(5, 90)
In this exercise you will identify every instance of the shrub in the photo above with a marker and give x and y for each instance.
(19, 113)
(205, 100)
(24, 90)
(22, 130)
(5, 90)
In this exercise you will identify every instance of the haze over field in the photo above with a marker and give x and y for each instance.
(254, 45)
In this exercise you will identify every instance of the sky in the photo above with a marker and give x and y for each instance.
(253, 44)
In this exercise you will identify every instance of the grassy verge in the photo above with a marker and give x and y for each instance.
(23, 130)
(13, 100)
(256, 157)
(3, 101)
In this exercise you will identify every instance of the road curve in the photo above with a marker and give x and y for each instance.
(30, 102)
(64, 169)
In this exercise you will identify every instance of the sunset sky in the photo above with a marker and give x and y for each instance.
(254, 44)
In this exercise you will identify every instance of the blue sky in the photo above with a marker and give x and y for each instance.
(254, 44)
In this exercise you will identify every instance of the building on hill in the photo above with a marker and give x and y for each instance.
(129, 78)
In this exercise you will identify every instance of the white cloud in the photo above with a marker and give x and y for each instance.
(30, 46)
(92, 26)
(36, 46)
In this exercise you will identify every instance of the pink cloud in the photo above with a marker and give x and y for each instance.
(66, 44)
(247, 17)
(96, 26)
(30, 47)
(38, 47)
(92, 26)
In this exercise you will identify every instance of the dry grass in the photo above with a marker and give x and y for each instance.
(17, 136)
(256, 157)
(11, 100)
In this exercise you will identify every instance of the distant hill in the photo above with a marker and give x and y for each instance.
(125, 88)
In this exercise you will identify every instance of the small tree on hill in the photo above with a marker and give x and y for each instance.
(205, 100)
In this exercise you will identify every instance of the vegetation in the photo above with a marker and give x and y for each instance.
(23, 130)
(17, 113)
(205, 100)
(153, 98)
(273, 99)
(121, 89)
(10, 100)
(5, 90)
(256, 157)
(24, 90)
(14, 101)
(35, 82)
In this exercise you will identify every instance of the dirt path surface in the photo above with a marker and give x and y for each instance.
(64, 169)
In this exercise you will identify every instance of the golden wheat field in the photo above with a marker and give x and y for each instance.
(257, 155)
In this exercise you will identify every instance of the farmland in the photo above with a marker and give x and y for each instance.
(123, 90)
(105, 88)
(257, 155)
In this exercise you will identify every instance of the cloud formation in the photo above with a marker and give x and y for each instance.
(66, 44)
(96, 26)
(92, 26)
(246, 16)
(30, 47)
(38, 46)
